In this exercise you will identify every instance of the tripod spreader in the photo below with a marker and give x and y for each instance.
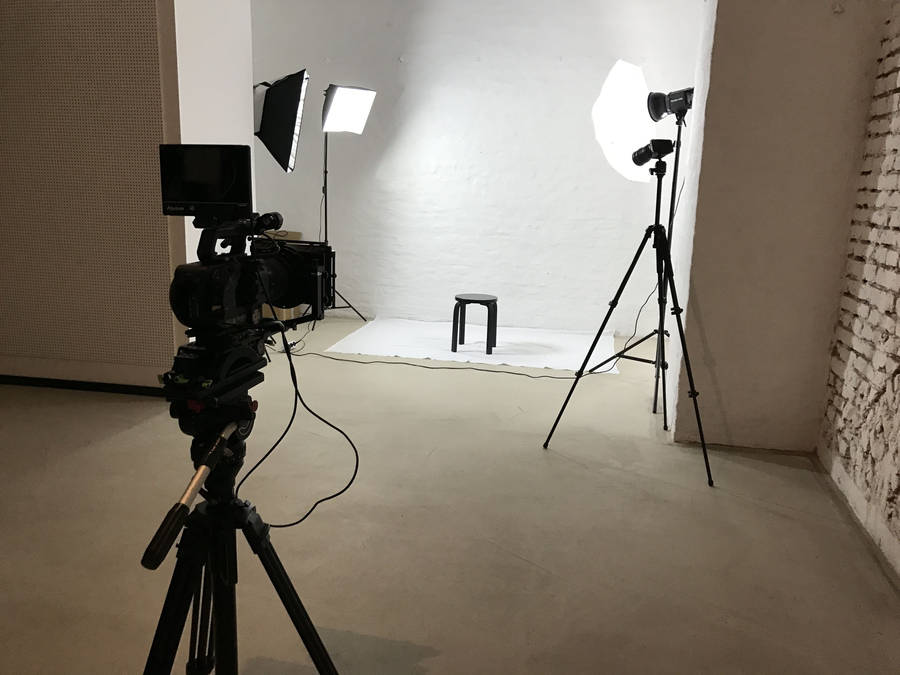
(172, 524)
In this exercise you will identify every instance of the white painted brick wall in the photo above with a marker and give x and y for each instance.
(861, 430)
(478, 170)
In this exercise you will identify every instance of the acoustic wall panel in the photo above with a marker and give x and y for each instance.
(85, 261)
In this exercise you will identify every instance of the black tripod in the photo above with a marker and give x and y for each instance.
(205, 573)
(666, 280)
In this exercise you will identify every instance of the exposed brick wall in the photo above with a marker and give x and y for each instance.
(861, 430)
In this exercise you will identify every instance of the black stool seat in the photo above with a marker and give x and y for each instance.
(459, 318)
(479, 298)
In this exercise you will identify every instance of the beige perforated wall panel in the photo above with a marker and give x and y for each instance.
(86, 256)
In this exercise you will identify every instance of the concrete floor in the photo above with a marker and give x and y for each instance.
(463, 547)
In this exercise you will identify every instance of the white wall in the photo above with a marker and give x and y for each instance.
(683, 228)
(789, 92)
(215, 78)
(478, 170)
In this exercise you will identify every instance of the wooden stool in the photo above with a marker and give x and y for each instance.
(459, 318)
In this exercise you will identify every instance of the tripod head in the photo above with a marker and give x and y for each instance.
(208, 393)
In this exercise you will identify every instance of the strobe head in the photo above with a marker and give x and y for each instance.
(655, 149)
(676, 102)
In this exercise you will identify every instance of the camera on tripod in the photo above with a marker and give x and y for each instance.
(220, 299)
(221, 296)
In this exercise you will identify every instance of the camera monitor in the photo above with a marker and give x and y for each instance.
(206, 181)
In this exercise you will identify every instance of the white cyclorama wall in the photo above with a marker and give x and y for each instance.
(683, 226)
(478, 170)
(215, 78)
(789, 94)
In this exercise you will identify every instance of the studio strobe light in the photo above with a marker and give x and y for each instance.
(655, 149)
(675, 103)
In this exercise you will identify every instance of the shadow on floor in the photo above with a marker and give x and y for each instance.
(353, 653)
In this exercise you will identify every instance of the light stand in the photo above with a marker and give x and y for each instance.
(345, 109)
(661, 333)
(348, 304)
(666, 277)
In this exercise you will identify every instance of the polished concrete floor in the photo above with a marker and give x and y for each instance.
(463, 547)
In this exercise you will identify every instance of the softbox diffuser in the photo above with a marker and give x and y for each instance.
(279, 128)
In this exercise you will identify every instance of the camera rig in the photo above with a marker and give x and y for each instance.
(220, 299)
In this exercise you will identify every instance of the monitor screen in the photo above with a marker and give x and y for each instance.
(206, 181)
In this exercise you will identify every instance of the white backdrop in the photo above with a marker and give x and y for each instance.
(478, 170)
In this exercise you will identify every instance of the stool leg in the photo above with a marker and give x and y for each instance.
(462, 323)
(455, 327)
(490, 330)
(494, 325)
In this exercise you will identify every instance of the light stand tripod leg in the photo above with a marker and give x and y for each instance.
(349, 305)
(257, 533)
(661, 366)
(692, 392)
(612, 306)
(661, 246)
(660, 346)
(663, 388)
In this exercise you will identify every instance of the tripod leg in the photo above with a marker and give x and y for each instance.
(662, 247)
(257, 533)
(223, 563)
(201, 646)
(661, 373)
(658, 244)
(192, 554)
(349, 304)
(660, 348)
(692, 393)
(663, 389)
(612, 306)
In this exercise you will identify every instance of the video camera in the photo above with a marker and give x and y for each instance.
(220, 298)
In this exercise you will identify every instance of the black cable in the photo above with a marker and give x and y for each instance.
(677, 202)
(302, 339)
(321, 202)
(419, 365)
(299, 341)
(633, 333)
(299, 397)
(272, 449)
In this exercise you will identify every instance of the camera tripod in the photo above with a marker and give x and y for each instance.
(205, 573)
(666, 281)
